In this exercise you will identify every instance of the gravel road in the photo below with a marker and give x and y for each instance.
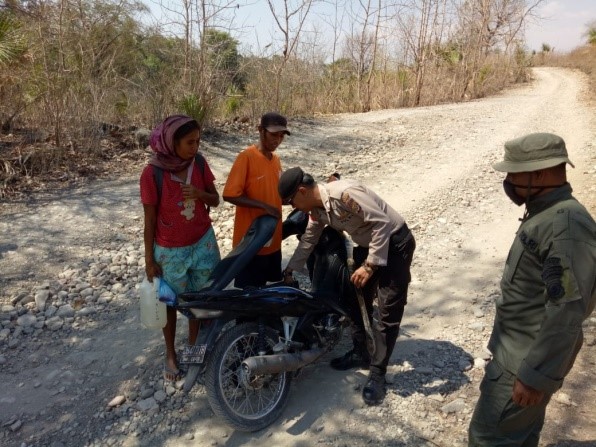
(77, 368)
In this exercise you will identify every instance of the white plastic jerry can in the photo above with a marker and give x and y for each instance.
(153, 311)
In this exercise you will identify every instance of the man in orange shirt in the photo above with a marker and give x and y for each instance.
(252, 187)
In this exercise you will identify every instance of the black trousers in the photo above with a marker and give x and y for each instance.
(390, 285)
(260, 269)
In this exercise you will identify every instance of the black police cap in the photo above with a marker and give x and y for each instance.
(289, 182)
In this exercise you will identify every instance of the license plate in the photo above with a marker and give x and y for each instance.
(193, 354)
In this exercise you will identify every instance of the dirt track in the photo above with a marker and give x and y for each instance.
(432, 164)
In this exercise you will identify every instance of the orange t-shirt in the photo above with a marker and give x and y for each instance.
(255, 176)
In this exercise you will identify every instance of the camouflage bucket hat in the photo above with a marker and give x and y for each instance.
(533, 152)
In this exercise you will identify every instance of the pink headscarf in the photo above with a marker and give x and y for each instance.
(162, 143)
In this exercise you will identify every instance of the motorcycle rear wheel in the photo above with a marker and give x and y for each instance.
(246, 403)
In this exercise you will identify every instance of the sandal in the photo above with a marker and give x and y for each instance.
(172, 375)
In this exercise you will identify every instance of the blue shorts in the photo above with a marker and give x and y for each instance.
(188, 268)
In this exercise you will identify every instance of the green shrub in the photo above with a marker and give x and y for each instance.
(192, 106)
(233, 101)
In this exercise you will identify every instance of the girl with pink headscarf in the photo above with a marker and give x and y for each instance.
(180, 244)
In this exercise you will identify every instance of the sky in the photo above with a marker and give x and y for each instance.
(562, 23)
(562, 26)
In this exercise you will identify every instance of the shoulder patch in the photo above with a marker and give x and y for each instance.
(350, 203)
(552, 273)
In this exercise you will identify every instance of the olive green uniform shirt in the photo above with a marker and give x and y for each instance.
(548, 290)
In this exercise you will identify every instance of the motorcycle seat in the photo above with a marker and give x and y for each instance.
(260, 231)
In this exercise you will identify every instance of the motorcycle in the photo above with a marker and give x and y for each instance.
(254, 341)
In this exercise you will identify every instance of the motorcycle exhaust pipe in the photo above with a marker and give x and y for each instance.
(277, 363)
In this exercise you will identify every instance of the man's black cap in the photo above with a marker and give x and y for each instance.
(274, 122)
(289, 182)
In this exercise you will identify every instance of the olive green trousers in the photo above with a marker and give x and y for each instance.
(497, 421)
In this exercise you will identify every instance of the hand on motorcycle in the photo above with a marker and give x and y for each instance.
(361, 276)
(288, 277)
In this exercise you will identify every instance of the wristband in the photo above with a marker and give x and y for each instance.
(370, 268)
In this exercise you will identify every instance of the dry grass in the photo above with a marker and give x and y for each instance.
(27, 166)
(582, 58)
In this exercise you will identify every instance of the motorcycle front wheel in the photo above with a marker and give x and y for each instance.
(247, 403)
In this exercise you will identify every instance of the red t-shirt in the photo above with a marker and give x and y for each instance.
(179, 223)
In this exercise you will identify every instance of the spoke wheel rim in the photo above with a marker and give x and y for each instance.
(248, 397)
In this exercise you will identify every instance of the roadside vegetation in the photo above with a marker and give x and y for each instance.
(582, 58)
(75, 73)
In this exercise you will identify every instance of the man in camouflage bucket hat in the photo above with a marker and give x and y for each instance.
(548, 289)
(533, 152)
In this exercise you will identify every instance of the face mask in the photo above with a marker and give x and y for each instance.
(510, 192)
(520, 200)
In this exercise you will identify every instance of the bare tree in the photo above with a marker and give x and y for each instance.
(362, 46)
(486, 26)
(333, 75)
(421, 25)
(290, 20)
(193, 20)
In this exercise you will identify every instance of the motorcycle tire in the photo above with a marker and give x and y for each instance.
(195, 370)
(191, 377)
(246, 403)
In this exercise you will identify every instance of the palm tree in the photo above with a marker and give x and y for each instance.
(591, 33)
(592, 36)
(12, 47)
(12, 43)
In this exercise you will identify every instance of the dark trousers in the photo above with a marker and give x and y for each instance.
(390, 285)
(260, 269)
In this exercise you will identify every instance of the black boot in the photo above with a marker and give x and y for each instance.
(373, 392)
(351, 359)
